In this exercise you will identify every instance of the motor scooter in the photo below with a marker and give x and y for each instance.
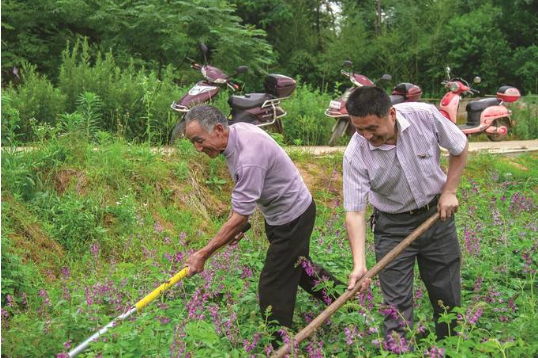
(260, 109)
(488, 115)
(403, 92)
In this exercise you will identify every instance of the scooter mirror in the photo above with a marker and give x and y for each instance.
(447, 70)
(477, 79)
(386, 77)
(347, 64)
(203, 48)
(241, 69)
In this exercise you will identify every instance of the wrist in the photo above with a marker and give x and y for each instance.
(204, 253)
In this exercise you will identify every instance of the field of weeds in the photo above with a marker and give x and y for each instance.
(88, 232)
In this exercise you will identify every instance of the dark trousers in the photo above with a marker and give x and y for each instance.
(281, 273)
(438, 254)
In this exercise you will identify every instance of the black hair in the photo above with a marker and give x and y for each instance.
(368, 100)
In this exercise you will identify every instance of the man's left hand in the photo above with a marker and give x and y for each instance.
(447, 205)
(195, 263)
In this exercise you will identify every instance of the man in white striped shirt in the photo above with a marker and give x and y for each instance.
(393, 161)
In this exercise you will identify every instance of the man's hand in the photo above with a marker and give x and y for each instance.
(355, 276)
(195, 263)
(447, 205)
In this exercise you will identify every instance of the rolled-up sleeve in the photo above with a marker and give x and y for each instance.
(356, 185)
(248, 189)
(448, 134)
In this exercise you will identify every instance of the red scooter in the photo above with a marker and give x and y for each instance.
(260, 109)
(489, 115)
(403, 92)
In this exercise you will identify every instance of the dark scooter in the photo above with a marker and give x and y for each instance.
(260, 109)
(403, 92)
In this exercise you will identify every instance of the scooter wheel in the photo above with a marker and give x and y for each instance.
(338, 130)
(178, 131)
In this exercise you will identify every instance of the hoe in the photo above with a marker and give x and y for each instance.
(319, 320)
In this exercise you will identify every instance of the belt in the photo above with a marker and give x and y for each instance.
(421, 210)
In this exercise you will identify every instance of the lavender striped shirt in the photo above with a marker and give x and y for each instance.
(405, 176)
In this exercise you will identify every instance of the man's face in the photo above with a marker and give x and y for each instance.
(212, 143)
(377, 130)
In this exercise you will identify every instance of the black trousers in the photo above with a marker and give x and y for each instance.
(438, 254)
(281, 274)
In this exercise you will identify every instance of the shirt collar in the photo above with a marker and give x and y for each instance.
(230, 147)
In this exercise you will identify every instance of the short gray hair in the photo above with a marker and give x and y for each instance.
(206, 116)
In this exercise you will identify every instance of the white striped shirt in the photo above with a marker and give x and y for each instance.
(405, 176)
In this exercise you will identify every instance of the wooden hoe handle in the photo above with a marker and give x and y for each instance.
(319, 320)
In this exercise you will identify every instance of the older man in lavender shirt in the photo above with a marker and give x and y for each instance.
(265, 177)
(393, 161)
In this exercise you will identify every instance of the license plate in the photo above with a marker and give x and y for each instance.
(335, 105)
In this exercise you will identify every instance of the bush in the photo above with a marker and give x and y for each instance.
(11, 122)
(525, 115)
(306, 122)
(34, 98)
(135, 105)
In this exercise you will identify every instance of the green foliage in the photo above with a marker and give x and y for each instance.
(75, 220)
(525, 115)
(130, 217)
(11, 122)
(16, 276)
(306, 120)
(89, 106)
(36, 99)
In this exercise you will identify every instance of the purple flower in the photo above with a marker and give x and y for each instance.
(66, 273)
(389, 311)
(472, 317)
(94, 249)
(246, 272)
(478, 284)
(249, 347)
(307, 266)
(164, 320)
(349, 336)
(158, 227)
(67, 345)
(435, 352)
(395, 343)
(45, 296)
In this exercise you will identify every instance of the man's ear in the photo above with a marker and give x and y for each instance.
(218, 129)
(392, 113)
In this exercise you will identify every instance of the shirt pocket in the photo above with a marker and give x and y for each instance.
(426, 163)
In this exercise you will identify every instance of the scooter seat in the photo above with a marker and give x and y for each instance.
(249, 100)
(396, 98)
(480, 105)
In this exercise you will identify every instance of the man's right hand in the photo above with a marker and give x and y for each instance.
(356, 275)
(195, 263)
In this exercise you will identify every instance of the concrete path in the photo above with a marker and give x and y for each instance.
(506, 147)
